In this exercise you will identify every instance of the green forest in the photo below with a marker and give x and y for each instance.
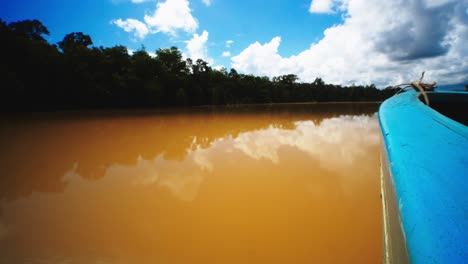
(36, 75)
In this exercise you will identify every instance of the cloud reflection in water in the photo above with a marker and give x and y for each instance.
(336, 142)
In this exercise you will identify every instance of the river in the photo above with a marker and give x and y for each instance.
(252, 184)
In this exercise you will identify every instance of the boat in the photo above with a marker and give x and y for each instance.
(424, 177)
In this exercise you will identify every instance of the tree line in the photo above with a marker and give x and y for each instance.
(73, 74)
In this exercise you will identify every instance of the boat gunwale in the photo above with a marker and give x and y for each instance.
(408, 127)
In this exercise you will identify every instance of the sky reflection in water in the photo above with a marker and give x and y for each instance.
(296, 184)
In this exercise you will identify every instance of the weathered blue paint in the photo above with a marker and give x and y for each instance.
(428, 160)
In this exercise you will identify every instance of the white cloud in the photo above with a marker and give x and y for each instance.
(219, 68)
(139, 29)
(321, 6)
(207, 2)
(196, 47)
(172, 15)
(434, 3)
(226, 54)
(132, 51)
(139, 1)
(229, 43)
(261, 59)
(169, 17)
(381, 42)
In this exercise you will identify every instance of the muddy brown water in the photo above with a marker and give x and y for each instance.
(254, 184)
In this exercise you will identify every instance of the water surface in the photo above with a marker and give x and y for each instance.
(264, 184)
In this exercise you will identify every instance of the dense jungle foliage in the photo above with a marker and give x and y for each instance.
(74, 74)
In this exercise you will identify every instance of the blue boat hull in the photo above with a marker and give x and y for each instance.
(424, 179)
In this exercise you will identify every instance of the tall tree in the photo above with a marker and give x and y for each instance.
(75, 40)
(171, 60)
(30, 29)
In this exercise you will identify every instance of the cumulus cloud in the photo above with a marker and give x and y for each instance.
(421, 35)
(434, 3)
(262, 59)
(381, 42)
(139, 29)
(196, 47)
(172, 15)
(226, 54)
(321, 6)
(169, 17)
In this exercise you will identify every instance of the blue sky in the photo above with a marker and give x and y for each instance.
(243, 23)
(342, 41)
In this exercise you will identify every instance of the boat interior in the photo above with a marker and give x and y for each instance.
(453, 105)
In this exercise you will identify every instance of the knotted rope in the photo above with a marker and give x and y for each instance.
(418, 86)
